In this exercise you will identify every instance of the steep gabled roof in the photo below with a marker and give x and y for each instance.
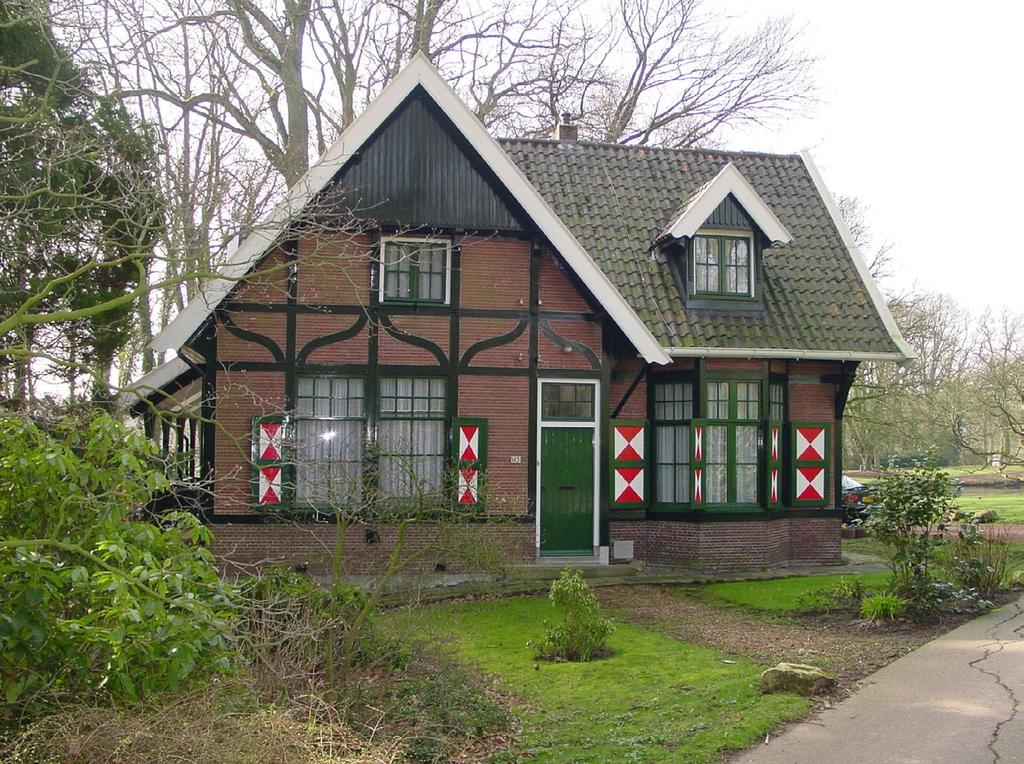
(418, 73)
(818, 300)
(707, 197)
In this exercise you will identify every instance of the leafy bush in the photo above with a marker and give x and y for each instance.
(583, 633)
(913, 504)
(880, 607)
(94, 602)
(978, 562)
(846, 593)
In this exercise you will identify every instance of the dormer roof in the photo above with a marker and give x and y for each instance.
(706, 198)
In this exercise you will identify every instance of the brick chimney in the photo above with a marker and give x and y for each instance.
(566, 130)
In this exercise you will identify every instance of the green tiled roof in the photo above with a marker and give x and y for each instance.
(617, 200)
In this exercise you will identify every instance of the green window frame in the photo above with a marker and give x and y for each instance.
(412, 436)
(777, 401)
(567, 401)
(732, 468)
(723, 265)
(414, 270)
(672, 411)
(329, 433)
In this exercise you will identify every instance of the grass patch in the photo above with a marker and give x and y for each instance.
(655, 699)
(780, 595)
(867, 545)
(1008, 505)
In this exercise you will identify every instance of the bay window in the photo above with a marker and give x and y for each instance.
(673, 410)
(732, 409)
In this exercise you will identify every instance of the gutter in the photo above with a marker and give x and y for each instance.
(800, 355)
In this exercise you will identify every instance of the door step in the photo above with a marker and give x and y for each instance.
(575, 561)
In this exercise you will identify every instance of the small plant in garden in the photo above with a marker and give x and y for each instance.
(979, 562)
(845, 593)
(882, 607)
(583, 632)
(913, 505)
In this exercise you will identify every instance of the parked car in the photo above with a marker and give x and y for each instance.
(857, 499)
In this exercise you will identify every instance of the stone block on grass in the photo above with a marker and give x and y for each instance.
(797, 678)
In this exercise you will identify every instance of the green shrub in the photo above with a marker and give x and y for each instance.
(979, 562)
(846, 593)
(95, 603)
(913, 505)
(583, 632)
(880, 607)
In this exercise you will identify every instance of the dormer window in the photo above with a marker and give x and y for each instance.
(723, 264)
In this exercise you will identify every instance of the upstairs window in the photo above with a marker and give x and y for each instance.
(723, 265)
(414, 270)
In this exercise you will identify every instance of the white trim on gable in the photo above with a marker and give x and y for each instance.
(418, 72)
(707, 198)
(895, 335)
(152, 381)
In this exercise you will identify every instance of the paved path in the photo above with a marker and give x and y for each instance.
(958, 699)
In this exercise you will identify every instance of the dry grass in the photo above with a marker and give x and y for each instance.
(833, 642)
(193, 728)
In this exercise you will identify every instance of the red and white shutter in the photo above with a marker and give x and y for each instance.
(469, 449)
(811, 447)
(698, 432)
(773, 465)
(628, 464)
(268, 461)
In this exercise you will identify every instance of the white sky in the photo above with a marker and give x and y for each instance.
(922, 119)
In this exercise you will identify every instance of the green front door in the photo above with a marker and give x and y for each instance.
(566, 490)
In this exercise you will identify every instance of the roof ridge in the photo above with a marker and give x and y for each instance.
(649, 147)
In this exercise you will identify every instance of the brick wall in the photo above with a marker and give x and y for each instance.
(512, 354)
(741, 546)
(815, 402)
(334, 269)
(311, 326)
(231, 347)
(240, 397)
(556, 290)
(432, 328)
(504, 402)
(456, 548)
(495, 273)
(635, 407)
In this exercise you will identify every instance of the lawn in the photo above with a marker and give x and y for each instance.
(1008, 504)
(783, 595)
(655, 699)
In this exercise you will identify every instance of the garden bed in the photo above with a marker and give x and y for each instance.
(681, 683)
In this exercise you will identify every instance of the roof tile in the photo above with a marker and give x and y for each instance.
(617, 199)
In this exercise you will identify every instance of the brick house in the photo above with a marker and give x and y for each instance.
(623, 351)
